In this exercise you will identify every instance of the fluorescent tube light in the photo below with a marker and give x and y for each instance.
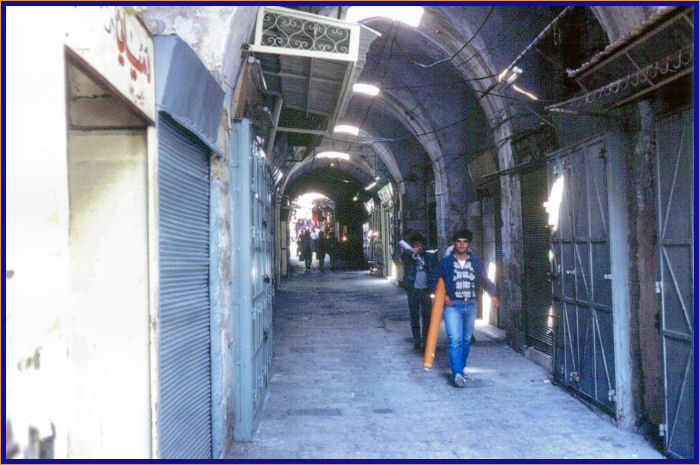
(334, 155)
(511, 74)
(410, 15)
(347, 129)
(524, 92)
(367, 89)
(371, 185)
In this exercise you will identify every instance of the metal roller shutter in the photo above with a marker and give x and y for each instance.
(537, 295)
(184, 341)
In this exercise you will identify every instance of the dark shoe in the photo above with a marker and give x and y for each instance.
(416, 346)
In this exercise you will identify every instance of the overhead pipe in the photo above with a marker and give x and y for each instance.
(273, 130)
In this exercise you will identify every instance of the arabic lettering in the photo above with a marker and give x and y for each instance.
(140, 61)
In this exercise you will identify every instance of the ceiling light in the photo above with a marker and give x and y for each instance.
(368, 89)
(510, 75)
(354, 199)
(524, 92)
(334, 155)
(332, 165)
(347, 129)
(410, 15)
(370, 185)
(346, 181)
(376, 178)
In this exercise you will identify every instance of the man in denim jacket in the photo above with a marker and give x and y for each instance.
(463, 274)
(418, 266)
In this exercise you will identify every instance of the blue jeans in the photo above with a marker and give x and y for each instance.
(459, 324)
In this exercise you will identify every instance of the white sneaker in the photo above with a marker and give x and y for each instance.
(464, 372)
(459, 380)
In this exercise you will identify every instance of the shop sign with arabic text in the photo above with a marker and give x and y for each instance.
(116, 44)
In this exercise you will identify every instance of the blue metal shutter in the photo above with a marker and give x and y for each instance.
(184, 340)
(675, 190)
(584, 357)
(253, 288)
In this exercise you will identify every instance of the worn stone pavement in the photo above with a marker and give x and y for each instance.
(347, 384)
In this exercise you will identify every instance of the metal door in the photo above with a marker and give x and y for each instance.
(537, 296)
(581, 284)
(184, 340)
(252, 241)
(675, 194)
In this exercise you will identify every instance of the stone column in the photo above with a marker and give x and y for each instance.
(510, 274)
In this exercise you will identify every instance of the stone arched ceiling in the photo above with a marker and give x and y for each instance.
(440, 97)
(357, 170)
(334, 183)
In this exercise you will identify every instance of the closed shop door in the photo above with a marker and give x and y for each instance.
(184, 339)
(253, 236)
(261, 277)
(674, 178)
(537, 295)
(581, 284)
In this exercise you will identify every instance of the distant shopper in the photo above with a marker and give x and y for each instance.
(306, 249)
(463, 274)
(333, 248)
(418, 266)
(321, 250)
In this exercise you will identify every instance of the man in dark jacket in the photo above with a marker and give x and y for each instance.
(463, 274)
(417, 268)
(321, 250)
(332, 247)
(306, 249)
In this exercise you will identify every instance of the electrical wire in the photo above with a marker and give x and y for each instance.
(445, 60)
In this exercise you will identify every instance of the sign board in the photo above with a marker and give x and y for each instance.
(115, 44)
(386, 193)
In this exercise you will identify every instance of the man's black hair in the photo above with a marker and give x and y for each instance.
(417, 237)
(462, 233)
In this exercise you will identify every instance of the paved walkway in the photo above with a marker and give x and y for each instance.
(346, 384)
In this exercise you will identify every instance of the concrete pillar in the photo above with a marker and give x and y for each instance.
(643, 255)
(619, 266)
(222, 414)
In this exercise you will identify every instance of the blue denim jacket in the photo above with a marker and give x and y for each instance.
(445, 269)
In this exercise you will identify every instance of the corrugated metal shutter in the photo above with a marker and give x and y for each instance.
(537, 296)
(184, 341)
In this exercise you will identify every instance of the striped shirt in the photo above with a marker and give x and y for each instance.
(465, 280)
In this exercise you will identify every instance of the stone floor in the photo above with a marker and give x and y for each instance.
(347, 384)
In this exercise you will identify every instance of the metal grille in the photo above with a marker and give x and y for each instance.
(287, 31)
(674, 177)
(581, 288)
(537, 296)
(184, 341)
